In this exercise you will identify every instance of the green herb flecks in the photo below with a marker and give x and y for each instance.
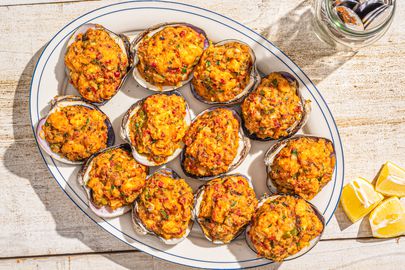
(85, 125)
(164, 214)
(141, 114)
(294, 232)
(147, 195)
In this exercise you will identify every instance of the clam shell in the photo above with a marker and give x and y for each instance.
(364, 8)
(377, 16)
(272, 152)
(354, 23)
(306, 110)
(64, 101)
(150, 32)
(303, 251)
(243, 148)
(120, 39)
(83, 178)
(125, 131)
(198, 197)
(141, 229)
(254, 79)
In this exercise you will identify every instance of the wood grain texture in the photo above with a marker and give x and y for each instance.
(346, 254)
(8, 3)
(365, 92)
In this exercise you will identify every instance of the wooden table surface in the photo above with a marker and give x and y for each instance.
(42, 229)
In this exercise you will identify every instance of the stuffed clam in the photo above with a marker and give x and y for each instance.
(214, 144)
(224, 206)
(155, 127)
(73, 130)
(97, 62)
(165, 55)
(112, 180)
(284, 227)
(301, 165)
(165, 207)
(225, 74)
(275, 110)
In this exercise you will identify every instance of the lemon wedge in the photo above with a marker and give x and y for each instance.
(388, 219)
(359, 198)
(391, 180)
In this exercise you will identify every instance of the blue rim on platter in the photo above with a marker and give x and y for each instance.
(217, 18)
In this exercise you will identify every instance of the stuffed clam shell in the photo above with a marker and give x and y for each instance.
(275, 110)
(73, 130)
(284, 228)
(301, 165)
(98, 62)
(165, 55)
(224, 206)
(164, 208)
(214, 144)
(112, 180)
(155, 127)
(225, 74)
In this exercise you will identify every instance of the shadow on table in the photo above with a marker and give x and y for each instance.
(292, 34)
(344, 222)
(23, 159)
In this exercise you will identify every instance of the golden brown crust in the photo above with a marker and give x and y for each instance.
(303, 167)
(272, 108)
(165, 206)
(283, 226)
(223, 72)
(75, 132)
(167, 58)
(96, 64)
(211, 143)
(115, 178)
(158, 127)
(227, 205)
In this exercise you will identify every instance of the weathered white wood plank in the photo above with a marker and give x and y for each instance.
(37, 2)
(365, 92)
(346, 254)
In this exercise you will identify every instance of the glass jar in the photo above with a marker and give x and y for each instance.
(330, 28)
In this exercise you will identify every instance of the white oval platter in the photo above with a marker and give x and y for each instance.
(49, 80)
